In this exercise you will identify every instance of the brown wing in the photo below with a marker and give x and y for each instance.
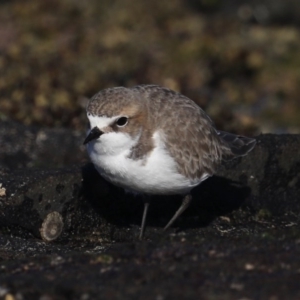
(187, 131)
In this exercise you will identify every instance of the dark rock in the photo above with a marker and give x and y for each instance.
(239, 239)
(264, 184)
(28, 146)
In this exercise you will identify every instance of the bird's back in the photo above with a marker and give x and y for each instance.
(189, 133)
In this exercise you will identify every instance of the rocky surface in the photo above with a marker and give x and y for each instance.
(29, 146)
(67, 234)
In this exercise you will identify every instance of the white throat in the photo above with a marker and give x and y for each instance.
(109, 143)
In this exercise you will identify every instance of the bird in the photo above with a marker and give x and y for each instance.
(151, 140)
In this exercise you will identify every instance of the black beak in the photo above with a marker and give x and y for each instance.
(94, 134)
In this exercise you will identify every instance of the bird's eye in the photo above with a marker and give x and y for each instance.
(121, 122)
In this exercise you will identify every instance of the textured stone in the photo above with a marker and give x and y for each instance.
(239, 238)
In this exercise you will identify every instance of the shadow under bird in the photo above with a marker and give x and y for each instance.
(154, 141)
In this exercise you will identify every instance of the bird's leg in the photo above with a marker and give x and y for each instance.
(146, 206)
(185, 204)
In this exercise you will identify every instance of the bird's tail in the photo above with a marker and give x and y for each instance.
(236, 145)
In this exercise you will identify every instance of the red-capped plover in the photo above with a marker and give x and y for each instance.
(154, 141)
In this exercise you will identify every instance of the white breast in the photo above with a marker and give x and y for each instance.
(157, 174)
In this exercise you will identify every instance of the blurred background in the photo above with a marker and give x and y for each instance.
(239, 60)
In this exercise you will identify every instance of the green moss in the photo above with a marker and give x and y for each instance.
(53, 53)
(263, 214)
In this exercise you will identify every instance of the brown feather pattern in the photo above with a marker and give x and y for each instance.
(188, 133)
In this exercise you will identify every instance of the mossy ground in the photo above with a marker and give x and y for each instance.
(240, 62)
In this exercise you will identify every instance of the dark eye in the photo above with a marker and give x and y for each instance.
(122, 121)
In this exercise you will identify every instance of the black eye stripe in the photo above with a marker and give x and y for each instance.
(122, 121)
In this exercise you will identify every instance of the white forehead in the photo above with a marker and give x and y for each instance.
(101, 121)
